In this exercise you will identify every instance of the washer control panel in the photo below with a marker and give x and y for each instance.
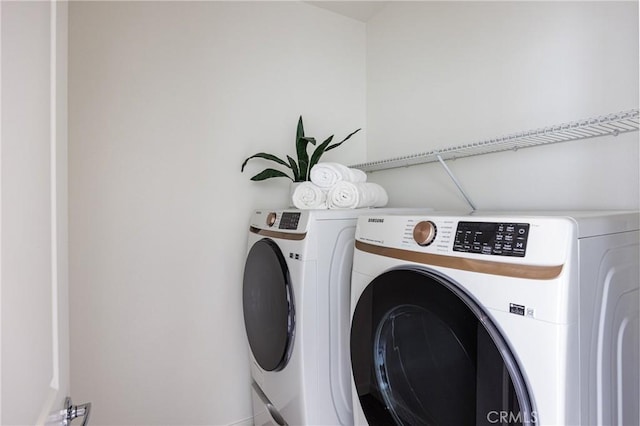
(492, 238)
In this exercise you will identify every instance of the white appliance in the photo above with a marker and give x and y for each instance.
(296, 295)
(295, 303)
(496, 318)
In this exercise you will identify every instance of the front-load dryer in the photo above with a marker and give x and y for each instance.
(296, 295)
(496, 319)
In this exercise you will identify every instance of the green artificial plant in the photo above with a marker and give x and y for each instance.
(301, 169)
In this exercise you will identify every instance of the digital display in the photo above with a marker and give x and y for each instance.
(289, 220)
(492, 238)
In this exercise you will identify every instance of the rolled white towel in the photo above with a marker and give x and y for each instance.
(308, 196)
(326, 175)
(350, 195)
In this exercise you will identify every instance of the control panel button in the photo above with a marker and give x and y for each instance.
(490, 238)
(424, 232)
(271, 219)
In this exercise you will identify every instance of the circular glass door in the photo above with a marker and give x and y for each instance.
(267, 298)
(425, 353)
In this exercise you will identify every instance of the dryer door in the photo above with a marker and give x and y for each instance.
(267, 297)
(423, 352)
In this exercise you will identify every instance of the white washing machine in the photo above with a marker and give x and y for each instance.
(496, 319)
(296, 295)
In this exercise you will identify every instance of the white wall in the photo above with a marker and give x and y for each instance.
(444, 74)
(34, 359)
(166, 100)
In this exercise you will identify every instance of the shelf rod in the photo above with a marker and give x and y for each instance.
(455, 180)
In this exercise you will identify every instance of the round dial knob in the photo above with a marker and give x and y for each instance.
(271, 219)
(424, 232)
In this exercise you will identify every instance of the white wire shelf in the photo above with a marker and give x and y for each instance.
(607, 125)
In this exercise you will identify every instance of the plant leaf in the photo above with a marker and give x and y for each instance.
(266, 157)
(342, 141)
(303, 157)
(294, 167)
(300, 130)
(270, 173)
(310, 140)
(301, 150)
(315, 157)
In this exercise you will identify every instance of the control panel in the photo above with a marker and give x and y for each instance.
(492, 238)
(289, 220)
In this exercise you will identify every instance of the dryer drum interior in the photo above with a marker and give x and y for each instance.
(268, 307)
(423, 352)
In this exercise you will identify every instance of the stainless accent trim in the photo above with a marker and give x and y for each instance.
(472, 265)
(275, 415)
(277, 234)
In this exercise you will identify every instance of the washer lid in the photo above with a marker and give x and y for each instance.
(267, 298)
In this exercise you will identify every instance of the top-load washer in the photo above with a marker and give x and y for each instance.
(496, 318)
(296, 296)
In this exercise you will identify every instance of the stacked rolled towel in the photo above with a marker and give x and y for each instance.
(355, 195)
(309, 196)
(335, 186)
(327, 175)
